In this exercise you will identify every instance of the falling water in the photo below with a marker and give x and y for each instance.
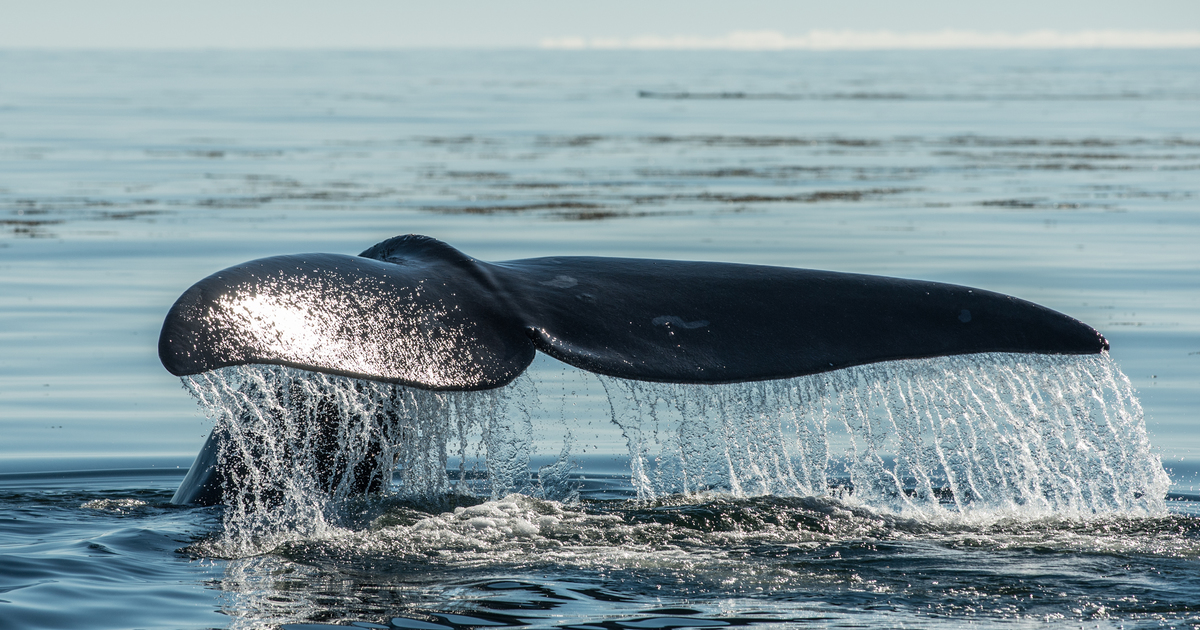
(297, 445)
(1032, 433)
(1015, 434)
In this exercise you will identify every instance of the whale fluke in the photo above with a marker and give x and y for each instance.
(416, 311)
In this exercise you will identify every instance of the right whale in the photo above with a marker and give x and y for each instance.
(415, 311)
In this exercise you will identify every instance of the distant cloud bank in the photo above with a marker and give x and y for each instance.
(886, 40)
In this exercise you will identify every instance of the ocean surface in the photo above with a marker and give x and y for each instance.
(987, 490)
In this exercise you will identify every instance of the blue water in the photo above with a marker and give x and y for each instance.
(1065, 178)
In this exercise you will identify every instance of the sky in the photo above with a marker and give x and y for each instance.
(369, 24)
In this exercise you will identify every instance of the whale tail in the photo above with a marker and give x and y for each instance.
(415, 311)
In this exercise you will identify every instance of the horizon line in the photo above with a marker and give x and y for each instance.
(823, 40)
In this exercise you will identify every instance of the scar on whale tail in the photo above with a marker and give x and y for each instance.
(415, 311)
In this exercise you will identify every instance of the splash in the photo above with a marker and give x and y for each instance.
(1031, 435)
(298, 448)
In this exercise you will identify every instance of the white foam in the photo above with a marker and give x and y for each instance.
(948, 39)
(514, 517)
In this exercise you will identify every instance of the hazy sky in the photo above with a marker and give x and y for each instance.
(525, 23)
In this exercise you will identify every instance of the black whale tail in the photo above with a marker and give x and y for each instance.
(415, 311)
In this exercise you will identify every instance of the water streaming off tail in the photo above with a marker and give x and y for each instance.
(1030, 433)
(297, 446)
(1021, 434)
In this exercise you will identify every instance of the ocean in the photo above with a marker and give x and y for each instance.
(989, 490)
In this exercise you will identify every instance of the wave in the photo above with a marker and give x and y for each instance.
(949, 39)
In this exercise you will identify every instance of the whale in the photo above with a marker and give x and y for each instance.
(415, 311)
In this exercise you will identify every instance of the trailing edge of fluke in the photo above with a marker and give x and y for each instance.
(415, 311)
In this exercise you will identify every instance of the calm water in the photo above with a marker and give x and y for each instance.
(1071, 179)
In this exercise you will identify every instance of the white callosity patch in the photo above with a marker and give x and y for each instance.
(560, 282)
(996, 434)
(1032, 433)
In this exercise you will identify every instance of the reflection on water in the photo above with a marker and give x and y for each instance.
(524, 562)
(717, 561)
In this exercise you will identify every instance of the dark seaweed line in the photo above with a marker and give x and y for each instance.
(590, 210)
